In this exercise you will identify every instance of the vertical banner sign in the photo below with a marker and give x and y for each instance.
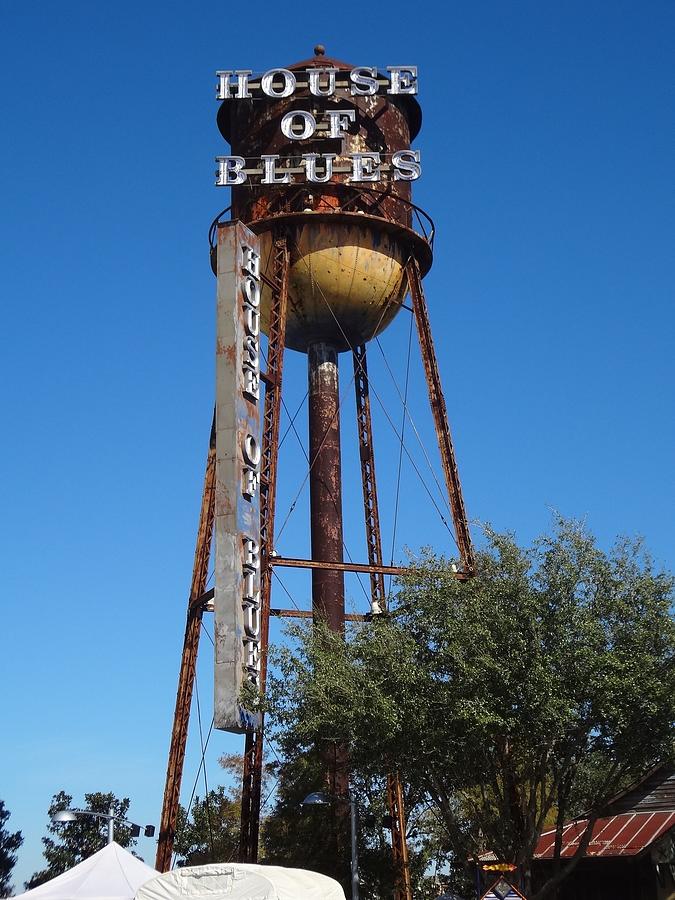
(237, 524)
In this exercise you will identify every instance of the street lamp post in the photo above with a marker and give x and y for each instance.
(70, 815)
(355, 849)
(318, 798)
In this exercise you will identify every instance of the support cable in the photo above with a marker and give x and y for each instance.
(400, 453)
(253, 753)
(186, 676)
(291, 424)
(306, 455)
(440, 415)
(285, 590)
(206, 783)
(292, 418)
(416, 468)
(406, 410)
(196, 781)
(311, 466)
(402, 887)
(269, 794)
(207, 633)
(349, 344)
(334, 499)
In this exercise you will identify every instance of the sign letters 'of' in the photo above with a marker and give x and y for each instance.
(237, 501)
(319, 124)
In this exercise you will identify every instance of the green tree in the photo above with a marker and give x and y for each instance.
(9, 844)
(293, 835)
(73, 842)
(210, 833)
(528, 694)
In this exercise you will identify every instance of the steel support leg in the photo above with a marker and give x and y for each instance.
(399, 847)
(364, 424)
(325, 492)
(253, 753)
(186, 677)
(325, 484)
(440, 414)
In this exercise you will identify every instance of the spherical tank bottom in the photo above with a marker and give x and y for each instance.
(346, 278)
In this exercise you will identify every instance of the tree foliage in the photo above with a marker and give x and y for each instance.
(210, 832)
(317, 837)
(9, 844)
(524, 696)
(73, 842)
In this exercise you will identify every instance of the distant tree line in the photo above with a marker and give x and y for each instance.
(69, 843)
(10, 841)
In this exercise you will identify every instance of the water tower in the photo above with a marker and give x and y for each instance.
(323, 244)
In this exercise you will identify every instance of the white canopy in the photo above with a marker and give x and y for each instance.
(111, 874)
(236, 881)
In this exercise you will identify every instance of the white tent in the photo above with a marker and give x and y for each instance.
(111, 874)
(237, 881)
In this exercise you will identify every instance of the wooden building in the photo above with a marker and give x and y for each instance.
(631, 853)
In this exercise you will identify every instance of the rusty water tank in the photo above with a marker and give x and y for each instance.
(348, 242)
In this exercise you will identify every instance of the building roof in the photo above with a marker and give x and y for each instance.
(655, 792)
(625, 834)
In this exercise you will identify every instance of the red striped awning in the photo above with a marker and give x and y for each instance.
(624, 835)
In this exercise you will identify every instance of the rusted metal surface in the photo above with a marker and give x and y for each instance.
(626, 834)
(351, 253)
(204, 600)
(186, 677)
(384, 123)
(271, 425)
(440, 414)
(248, 851)
(357, 200)
(308, 614)
(348, 198)
(293, 563)
(348, 242)
(378, 600)
(399, 845)
(346, 275)
(325, 485)
(253, 753)
(237, 616)
(325, 500)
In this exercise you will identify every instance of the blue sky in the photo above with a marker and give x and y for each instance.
(547, 165)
